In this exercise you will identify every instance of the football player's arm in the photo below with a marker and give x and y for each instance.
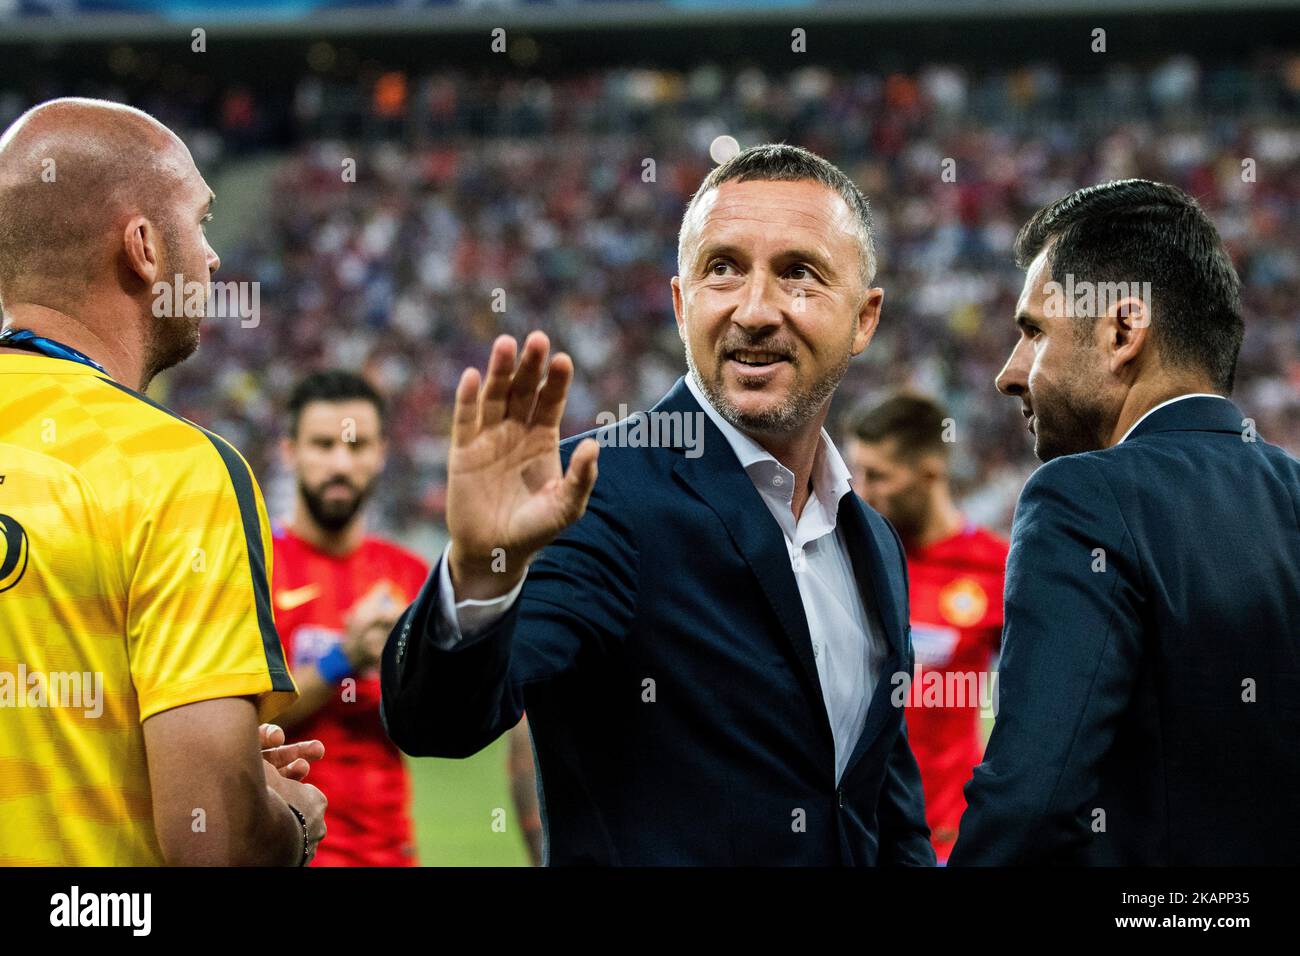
(368, 624)
(1071, 650)
(523, 788)
(207, 664)
(216, 801)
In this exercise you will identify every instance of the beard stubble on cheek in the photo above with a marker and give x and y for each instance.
(1068, 416)
(175, 334)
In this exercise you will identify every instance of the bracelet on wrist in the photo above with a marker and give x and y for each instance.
(306, 835)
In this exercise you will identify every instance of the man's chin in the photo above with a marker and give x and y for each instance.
(1046, 448)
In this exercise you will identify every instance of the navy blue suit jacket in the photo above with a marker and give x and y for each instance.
(661, 650)
(1149, 706)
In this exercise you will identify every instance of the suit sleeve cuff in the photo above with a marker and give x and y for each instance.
(462, 621)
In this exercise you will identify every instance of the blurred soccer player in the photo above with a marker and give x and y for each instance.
(1151, 655)
(137, 647)
(337, 593)
(900, 467)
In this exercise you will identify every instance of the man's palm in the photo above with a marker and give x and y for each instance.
(505, 487)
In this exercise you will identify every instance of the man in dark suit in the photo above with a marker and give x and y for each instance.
(705, 638)
(1149, 695)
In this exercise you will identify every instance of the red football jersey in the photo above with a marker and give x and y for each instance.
(955, 590)
(362, 774)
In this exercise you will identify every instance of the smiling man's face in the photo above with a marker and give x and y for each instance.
(770, 303)
(1056, 372)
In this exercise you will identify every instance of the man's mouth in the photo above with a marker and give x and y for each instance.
(756, 361)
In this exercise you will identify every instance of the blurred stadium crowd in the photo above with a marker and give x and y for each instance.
(467, 184)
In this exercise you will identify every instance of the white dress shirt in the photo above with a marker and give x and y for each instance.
(846, 640)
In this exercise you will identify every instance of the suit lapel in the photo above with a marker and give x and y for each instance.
(717, 477)
(731, 494)
(876, 584)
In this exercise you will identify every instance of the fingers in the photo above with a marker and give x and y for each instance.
(269, 735)
(464, 419)
(554, 394)
(282, 756)
(493, 401)
(510, 392)
(575, 490)
(532, 366)
(297, 770)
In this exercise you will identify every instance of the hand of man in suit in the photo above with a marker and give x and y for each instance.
(507, 497)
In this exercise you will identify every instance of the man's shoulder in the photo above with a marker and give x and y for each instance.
(119, 441)
(1087, 470)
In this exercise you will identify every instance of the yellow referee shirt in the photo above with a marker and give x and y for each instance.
(134, 570)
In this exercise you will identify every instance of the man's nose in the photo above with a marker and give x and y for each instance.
(758, 308)
(341, 457)
(214, 261)
(1013, 380)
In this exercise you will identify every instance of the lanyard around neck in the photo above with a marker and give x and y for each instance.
(31, 342)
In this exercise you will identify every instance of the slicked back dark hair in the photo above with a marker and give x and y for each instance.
(332, 385)
(915, 421)
(781, 162)
(1134, 230)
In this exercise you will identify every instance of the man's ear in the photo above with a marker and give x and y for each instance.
(287, 457)
(931, 467)
(679, 308)
(1127, 332)
(868, 318)
(142, 247)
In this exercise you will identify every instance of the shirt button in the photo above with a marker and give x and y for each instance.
(839, 796)
(817, 650)
(778, 480)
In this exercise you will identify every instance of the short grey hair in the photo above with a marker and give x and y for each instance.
(781, 162)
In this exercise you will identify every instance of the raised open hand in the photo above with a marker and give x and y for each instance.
(507, 497)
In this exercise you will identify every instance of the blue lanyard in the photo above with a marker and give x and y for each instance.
(31, 342)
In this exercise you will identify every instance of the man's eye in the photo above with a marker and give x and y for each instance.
(719, 264)
(804, 272)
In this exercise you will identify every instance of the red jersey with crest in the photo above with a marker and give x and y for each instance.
(955, 591)
(362, 774)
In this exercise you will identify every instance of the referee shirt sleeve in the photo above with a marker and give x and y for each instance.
(199, 621)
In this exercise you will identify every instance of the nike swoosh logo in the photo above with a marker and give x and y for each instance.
(288, 600)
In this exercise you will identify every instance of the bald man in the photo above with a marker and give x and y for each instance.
(137, 646)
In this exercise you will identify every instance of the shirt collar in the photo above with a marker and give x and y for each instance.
(1169, 401)
(830, 477)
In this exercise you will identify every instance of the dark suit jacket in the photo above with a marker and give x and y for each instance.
(661, 650)
(1149, 709)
